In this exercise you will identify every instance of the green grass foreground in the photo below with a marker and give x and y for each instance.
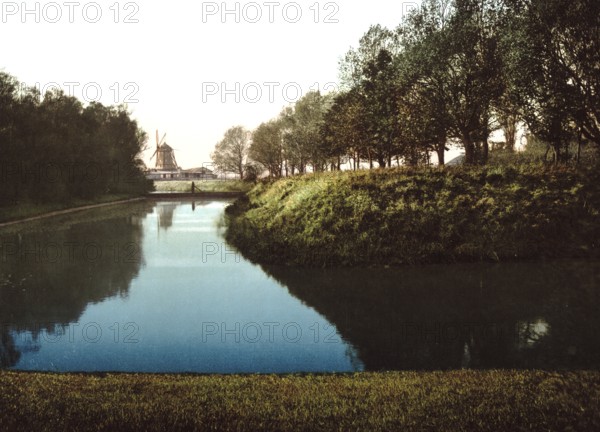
(416, 401)
(421, 215)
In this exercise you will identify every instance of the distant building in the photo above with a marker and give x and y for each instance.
(201, 173)
(156, 174)
(167, 169)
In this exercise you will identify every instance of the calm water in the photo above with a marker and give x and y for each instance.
(153, 287)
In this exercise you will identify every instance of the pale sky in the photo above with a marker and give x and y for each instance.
(181, 58)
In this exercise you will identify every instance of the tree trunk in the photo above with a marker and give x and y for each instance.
(548, 147)
(441, 151)
(579, 139)
(485, 145)
(469, 149)
(556, 151)
(486, 151)
(510, 131)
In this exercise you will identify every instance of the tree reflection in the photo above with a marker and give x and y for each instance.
(524, 315)
(51, 271)
(9, 355)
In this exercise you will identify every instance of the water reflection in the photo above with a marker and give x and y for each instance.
(50, 272)
(153, 287)
(527, 315)
(9, 355)
(165, 210)
(165, 214)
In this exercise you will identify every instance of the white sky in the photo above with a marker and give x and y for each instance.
(176, 57)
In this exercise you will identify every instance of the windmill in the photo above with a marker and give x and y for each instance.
(165, 155)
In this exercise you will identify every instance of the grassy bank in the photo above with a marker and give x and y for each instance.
(425, 215)
(203, 185)
(30, 209)
(441, 401)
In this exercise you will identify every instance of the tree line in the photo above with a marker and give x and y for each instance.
(55, 149)
(452, 72)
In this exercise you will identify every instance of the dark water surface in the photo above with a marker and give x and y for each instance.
(153, 287)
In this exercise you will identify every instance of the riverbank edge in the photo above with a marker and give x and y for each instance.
(37, 212)
(439, 400)
(420, 215)
(69, 210)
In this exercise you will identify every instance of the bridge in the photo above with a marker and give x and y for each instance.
(196, 195)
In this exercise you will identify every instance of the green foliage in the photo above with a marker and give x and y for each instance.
(416, 401)
(55, 150)
(267, 147)
(230, 155)
(420, 215)
(451, 72)
(552, 69)
(303, 141)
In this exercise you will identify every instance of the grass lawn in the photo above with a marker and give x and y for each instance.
(28, 209)
(203, 185)
(417, 401)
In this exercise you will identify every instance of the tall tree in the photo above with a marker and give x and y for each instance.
(231, 152)
(556, 53)
(267, 147)
(55, 150)
(344, 129)
(369, 72)
(305, 131)
(8, 139)
(423, 78)
(381, 107)
(353, 65)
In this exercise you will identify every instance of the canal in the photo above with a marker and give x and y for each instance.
(154, 287)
